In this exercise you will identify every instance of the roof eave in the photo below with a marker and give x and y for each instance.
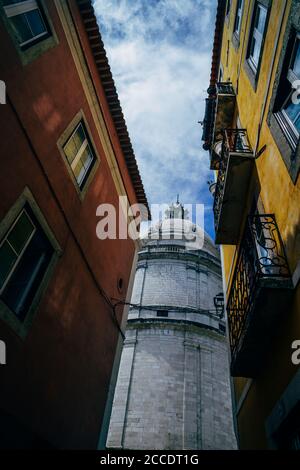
(97, 47)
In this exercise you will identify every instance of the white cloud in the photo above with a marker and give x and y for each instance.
(160, 55)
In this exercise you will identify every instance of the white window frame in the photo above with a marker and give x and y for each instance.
(16, 9)
(19, 255)
(239, 14)
(258, 36)
(291, 124)
(291, 76)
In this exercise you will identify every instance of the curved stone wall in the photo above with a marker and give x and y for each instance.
(173, 389)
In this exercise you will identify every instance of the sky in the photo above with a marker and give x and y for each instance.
(160, 55)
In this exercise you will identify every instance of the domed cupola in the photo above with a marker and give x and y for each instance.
(173, 385)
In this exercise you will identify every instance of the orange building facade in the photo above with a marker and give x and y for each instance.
(65, 150)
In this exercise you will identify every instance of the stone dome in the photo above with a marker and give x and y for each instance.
(173, 389)
(180, 232)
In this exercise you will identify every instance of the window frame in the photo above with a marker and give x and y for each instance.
(19, 255)
(253, 33)
(16, 9)
(22, 327)
(160, 313)
(288, 149)
(236, 31)
(36, 46)
(65, 136)
(85, 144)
(251, 69)
(292, 132)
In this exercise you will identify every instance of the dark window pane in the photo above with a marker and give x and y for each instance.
(20, 233)
(22, 286)
(21, 28)
(79, 137)
(228, 7)
(36, 22)
(296, 59)
(7, 260)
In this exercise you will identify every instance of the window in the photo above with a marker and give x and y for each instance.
(288, 435)
(25, 254)
(295, 441)
(283, 424)
(228, 6)
(238, 17)
(79, 154)
(288, 112)
(28, 22)
(257, 36)
(221, 74)
(162, 313)
(291, 109)
(283, 113)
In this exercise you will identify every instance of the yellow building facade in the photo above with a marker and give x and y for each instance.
(251, 129)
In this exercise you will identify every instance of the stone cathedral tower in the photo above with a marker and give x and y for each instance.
(173, 389)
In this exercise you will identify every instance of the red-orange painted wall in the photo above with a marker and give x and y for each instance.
(56, 381)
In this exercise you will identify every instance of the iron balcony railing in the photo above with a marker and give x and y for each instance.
(225, 88)
(219, 115)
(219, 111)
(235, 142)
(261, 264)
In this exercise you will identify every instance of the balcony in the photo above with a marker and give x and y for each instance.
(235, 169)
(224, 111)
(259, 295)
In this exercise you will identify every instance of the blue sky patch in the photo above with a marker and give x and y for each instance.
(160, 55)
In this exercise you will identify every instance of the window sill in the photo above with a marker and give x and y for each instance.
(33, 52)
